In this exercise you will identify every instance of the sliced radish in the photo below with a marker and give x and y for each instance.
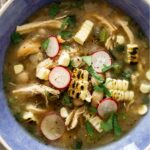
(59, 77)
(106, 106)
(52, 126)
(53, 47)
(99, 60)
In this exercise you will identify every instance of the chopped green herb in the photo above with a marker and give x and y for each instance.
(69, 21)
(54, 10)
(45, 44)
(66, 100)
(98, 89)
(66, 46)
(106, 68)
(65, 34)
(126, 75)
(102, 88)
(92, 110)
(94, 74)
(87, 60)
(108, 125)
(16, 37)
(112, 124)
(103, 35)
(117, 68)
(116, 126)
(78, 144)
(120, 48)
(89, 128)
(70, 65)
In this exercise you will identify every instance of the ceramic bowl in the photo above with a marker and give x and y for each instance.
(16, 137)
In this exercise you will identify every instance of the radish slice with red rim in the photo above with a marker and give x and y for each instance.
(59, 77)
(106, 107)
(99, 60)
(53, 47)
(52, 126)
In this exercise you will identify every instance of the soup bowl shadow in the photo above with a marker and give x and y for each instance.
(16, 137)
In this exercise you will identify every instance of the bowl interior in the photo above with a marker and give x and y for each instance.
(10, 130)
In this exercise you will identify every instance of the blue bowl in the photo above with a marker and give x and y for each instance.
(16, 137)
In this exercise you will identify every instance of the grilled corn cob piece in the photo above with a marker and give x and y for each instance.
(122, 95)
(84, 32)
(114, 84)
(94, 120)
(78, 88)
(132, 53)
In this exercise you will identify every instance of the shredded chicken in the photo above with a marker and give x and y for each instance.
(28, 47)
(112, 28)
(110, 42)
(34, 89)
(94, 120)
(34, 109)
(72, 119)
(124, 25)
(30, 27)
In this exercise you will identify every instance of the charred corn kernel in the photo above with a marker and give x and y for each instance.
(85, 30)
(145, 88)
(79, 85)
(148, 75)
(122, 95)
(114, 84)
(18, 68)
(142, 110)
(132, 53)
(94, 120)
(80, 74)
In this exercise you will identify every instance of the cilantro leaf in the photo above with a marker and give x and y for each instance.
(87, 60)
(127, 75)
(94, 74)
(66, 100)
(106, 68)
(108, 125)
(45, 43)
(120, 48)
(89, 128)
(54, 10)
(69, 21)
(103, 35)
(116, 126)
(65, 34)
(16, 37)
(70, 66)
(102, 88)
(112, 124)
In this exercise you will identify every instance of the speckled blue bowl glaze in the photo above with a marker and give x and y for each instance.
(16, 137)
